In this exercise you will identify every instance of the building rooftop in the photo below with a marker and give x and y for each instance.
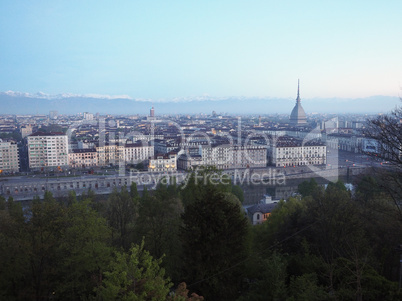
(262, 208)
(47, 134)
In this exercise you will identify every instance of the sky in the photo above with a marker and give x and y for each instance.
(166, 50)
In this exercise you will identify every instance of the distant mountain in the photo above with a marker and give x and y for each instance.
(41, 103)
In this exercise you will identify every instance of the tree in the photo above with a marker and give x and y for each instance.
(387, 131)
(306, 288)
(44, 235)
(136, 276)
(181, 294)
(307, 188)
(159, 222)
(238, 191)
(214, 238)
(267, 278)
(84, 250)
(14, 260)
(134, 191)
(122, 212)
(203, 177)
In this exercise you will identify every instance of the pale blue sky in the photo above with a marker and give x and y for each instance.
(167, 49)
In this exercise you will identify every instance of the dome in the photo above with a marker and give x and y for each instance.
(298, 116)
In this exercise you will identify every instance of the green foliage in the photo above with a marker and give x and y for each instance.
(72, 197)
(268, 280)
(136, 276)
(307, 188)
(86, 251)
(337, 186)
(2, 203)
(238, 191)
(134, 191)
(44, 231)
(159, 222)
(14, 261)
(359, 281)
(368, 188)
(328, 245)
(330, 241)
(306, 288)
(208, 176)
(122, 213)
(214, 238)
(181, 294)
(15, 210)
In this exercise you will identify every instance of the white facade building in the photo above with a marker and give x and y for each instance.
(163, 163)
(219, 156)
(137, 152)
(88, 116)
(228, 156)
(249, 156)
(288, 151)
(83, 158)
(9, 160)
(47, 150)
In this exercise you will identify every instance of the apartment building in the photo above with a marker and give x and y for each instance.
(163, 163)
(46, 150)
(112, 154)
(109, 153)
(234, 156)
(9, 160)
(137, 152)
(249, 156)
(288, 151)
(187, 161)
(220, 156)
(83, 158)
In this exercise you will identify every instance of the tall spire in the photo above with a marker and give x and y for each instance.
(298, 91)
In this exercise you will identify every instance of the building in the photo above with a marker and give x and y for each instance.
(109, 153)
(151, 116)
(163, 163)
(47, 150)
(88, 116)
(288, 151)
(187, 161)
(53, 115)
(9, 159)
(298, 116)
(26, 131)
(83, 158)
(249, 156)
(165, 147)
(137, 152)
(345, 142)
(219, 156)
(258, 213)
(227, 156)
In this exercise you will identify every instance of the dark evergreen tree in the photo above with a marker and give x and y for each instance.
(122, 212)
(214, 237)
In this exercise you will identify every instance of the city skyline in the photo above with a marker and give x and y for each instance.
(161, 51)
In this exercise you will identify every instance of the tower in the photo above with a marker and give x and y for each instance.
(298, 116)
(152, 112)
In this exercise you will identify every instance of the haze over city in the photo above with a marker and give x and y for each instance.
(157, 51)
(200, 150)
